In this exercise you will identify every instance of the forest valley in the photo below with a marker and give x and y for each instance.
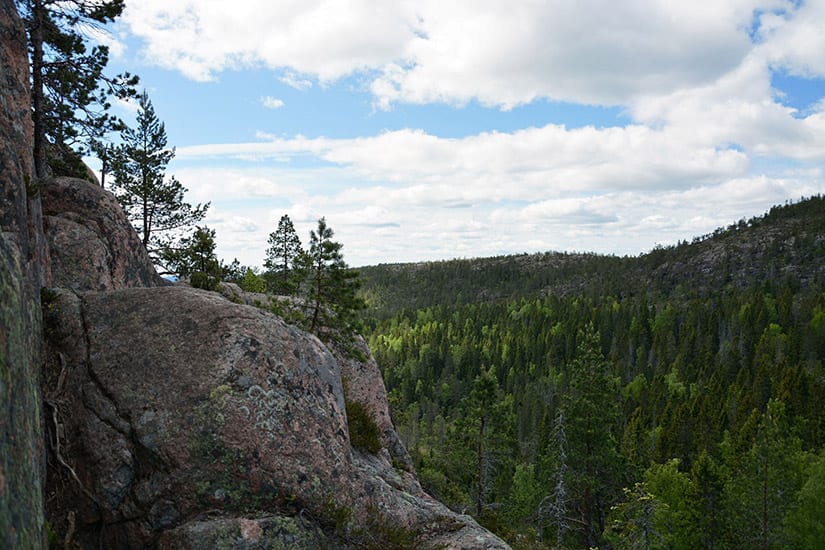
(671, 400)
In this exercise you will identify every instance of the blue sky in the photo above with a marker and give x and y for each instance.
(427, 130)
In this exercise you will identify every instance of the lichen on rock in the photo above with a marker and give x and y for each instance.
(186, 402)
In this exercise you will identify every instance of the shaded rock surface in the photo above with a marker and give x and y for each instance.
(362, 378)
(181, 418)
(90, 245)
(174, 418)
(23, 270)
(181, 403)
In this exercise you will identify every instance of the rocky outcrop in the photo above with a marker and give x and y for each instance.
(193, 417)
(364, 383)
(360, 374)
(174, 418)
(181, 418)
(23, 269)
(91, 247)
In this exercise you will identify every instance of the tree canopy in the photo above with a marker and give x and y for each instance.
(70, 91)
(153, 202)
(283, 258)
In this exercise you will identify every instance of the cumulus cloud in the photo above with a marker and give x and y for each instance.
(517, 165)
(502, 54)
(695, 80)
(329, 39)
(793, 39)
(271, 102)
(408, 195)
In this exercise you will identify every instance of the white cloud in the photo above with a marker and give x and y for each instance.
(271, 102)
(694, 78)
(408, 195)
(494, 165)
(794, 40)
(738, 108)
(503, 54)
(295, 81)
(326, 38)
(507, 54)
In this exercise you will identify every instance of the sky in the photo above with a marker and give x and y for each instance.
(439, 129)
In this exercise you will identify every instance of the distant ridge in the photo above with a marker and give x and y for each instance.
(786, 243)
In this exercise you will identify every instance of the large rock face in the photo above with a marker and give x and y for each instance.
(194, 419)
(89, 245)
(23, 269)
(174, 418)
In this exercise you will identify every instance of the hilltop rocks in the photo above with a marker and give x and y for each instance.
(91, 244)
(181, 402)
(185, 406)
(174, 418)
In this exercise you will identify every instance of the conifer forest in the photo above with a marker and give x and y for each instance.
(671, 400)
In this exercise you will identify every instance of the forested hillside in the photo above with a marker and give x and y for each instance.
(675, 399)
(787, 241)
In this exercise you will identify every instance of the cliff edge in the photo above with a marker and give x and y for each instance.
(139, 414)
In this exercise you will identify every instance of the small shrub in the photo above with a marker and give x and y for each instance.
(202, 280)
(252, 282)
(363, 431)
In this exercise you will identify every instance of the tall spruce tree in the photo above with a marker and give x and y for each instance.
(764, 482)
(592, 414)
(282, 257)
(70, 92)
(483, 398)
(153, 202)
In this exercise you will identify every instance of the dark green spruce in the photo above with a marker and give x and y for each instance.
(670, 400)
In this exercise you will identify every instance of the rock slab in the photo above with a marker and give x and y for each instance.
(193, 418)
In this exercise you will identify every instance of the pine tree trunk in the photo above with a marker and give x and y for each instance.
(38, 94)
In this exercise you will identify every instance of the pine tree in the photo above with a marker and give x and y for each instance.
(153, 203)
(70, 93)
(632, 523)
(195, 258)
(761, 489)
(282, 257)
(805, 523)
(331, 294)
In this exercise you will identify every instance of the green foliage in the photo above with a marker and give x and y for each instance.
(153, 203)
(70, 92)
(252, 282)
(195, 258)
(203, 281)
(363, 431)
(283, 259)
(761, 480)
(525, 494)
(676, 385)
(330, 288)
(805, 522)
(632, 522)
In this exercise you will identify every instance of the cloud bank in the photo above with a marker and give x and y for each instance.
(709, 140)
